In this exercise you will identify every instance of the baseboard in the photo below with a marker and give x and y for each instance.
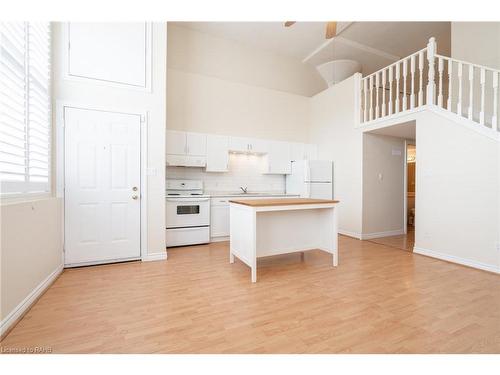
(154, 257)
(20, 310)
(454, 259)
(350, 234)
(219, 239)
(369, 236)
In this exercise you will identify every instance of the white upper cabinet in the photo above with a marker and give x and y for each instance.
(182, 143)
(176, 142)
(302, 151)
(217, 153)
(196, 144)
(311, 152)
(297, 151)
(278, 158)
(251, 145)
(116, 53)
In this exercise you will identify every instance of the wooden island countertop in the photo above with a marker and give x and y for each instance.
(280, 202)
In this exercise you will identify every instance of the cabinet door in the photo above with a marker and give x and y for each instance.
(297, 151)
(219, 223)
(278, 158)
(176, 142)
(311, 152)
(258, 146)
(196, 144)
(217, 153)
(239, 144)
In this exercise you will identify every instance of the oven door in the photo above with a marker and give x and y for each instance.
(187, 212)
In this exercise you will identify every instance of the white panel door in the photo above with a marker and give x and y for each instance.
(112, 52)
(102, 186)
(176, 143)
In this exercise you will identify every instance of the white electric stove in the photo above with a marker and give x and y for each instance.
(187, 213)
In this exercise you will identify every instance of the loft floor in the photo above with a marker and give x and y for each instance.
(379, 300)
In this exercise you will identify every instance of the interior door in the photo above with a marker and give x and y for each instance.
(102, 186)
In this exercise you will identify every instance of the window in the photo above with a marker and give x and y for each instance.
(25, 102)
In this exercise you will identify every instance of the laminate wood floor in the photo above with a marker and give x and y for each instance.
(379, 300)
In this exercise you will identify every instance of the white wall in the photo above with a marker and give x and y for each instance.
(383, 198)
(206, 104)
(220, 86)
(332, 129)
(457, 193)
(31, 254)
(476, 42)
(195, 52)
(91, 93)
(244, 170)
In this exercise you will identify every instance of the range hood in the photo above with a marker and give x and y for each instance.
(186, 161)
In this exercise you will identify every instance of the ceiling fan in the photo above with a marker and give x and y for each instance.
(331, 28)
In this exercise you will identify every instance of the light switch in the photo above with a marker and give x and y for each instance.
(380, 176)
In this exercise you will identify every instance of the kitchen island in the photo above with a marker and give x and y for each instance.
(265, 227)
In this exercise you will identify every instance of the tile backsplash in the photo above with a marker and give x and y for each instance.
(244, 170)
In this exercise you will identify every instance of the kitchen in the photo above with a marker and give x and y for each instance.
(205, 171)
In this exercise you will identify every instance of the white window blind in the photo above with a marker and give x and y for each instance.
(25, 108)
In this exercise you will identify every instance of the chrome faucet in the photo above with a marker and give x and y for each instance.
(244, 189)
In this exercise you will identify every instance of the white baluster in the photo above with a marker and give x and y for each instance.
(383, 93)
(390, 91)
(396, 109)
(405, 68)
(365, 107)
(440, 70)
(459, 103)
(483, 81)
(471, 90)
(431, 85)
(420, 78)
(377, 84)
(371, 97)
(450, 74)
(412, 70)
(494, 119)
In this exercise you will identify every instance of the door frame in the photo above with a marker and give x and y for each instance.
(60, 178)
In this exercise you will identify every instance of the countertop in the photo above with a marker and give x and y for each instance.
(216, 194)
(281, 202)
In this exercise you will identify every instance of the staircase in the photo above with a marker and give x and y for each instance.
(427, 80)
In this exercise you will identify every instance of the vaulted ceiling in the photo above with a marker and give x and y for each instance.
(373, 44)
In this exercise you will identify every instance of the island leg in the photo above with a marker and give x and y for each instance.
(335, 246)
(231, 257)
(254, 273)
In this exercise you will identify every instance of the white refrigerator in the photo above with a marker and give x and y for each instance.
(311, 179)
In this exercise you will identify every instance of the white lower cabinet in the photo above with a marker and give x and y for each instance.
(219, 217)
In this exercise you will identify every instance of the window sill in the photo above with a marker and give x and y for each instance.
(24, 198)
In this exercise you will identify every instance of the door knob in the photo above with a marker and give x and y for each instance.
(134, 188)
(135, 197)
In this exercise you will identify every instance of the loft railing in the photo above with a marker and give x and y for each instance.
(427, 78)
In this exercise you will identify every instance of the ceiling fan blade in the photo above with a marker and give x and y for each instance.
(289, 23)
(331, 30)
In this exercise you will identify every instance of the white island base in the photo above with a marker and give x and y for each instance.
(265, 227)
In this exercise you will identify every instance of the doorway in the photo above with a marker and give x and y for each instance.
(411, 164)
(102, 186)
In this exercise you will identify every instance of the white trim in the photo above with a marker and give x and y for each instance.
(30, 299)
(60, 158)
(154, 257)
(369, 236)
(411, 115)
(455, 259)
(148, 63)
(350, 234)
(219, 239)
